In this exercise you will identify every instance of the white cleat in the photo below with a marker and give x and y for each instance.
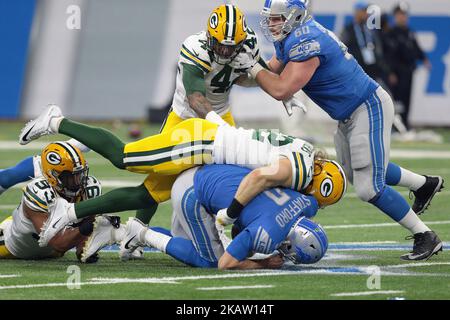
(101, 236)
(40, 126)
(131, 241)
(137, 254)
(58, 218)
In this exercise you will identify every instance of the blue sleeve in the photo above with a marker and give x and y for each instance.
(311, 210)
(241, 246)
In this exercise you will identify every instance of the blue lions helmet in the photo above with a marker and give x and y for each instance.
(280, 17)
(306, 243)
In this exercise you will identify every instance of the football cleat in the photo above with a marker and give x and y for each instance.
(40, 126)
(426, 244)
(137, 254)
(101, 236)
(58, 218)
(425, 194)
(131, 241)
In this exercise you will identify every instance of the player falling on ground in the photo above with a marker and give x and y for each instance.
(312, 58)
(191, 143)
(64, 175)
(273, 220)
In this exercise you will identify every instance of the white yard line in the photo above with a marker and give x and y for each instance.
(4, 276)
(365, 293)
(234, 287)
(403, 193)
(417, 264)
(379, 225)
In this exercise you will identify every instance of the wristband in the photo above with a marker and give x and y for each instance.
(235, 209)
(255, 70)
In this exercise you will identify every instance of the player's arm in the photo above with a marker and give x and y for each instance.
(227, 261)
(237, 253)
(292, 79)
(194, 84)
(248, 82)
(275, 65)
(277, 174)
(64, 240)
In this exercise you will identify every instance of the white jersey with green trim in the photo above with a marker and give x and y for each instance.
(21, 238)
(258, 148)
(218, 78)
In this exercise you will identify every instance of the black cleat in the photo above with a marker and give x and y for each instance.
(425, 193)
(425, 245)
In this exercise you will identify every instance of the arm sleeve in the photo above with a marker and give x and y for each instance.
(193, 79)
(241, 246)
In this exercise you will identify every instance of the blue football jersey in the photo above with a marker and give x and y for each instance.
(265, 222)
(339, 84)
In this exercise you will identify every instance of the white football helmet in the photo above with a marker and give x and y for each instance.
(306, 243)
(280, 17)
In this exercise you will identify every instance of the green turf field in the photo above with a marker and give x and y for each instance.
(359, 236)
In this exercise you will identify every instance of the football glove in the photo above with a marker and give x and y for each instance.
(294, 102)
(244, 61)
(223, 219)
(222, 236)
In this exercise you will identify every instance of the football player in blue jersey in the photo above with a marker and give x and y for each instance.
(276, 219)
(311, 58)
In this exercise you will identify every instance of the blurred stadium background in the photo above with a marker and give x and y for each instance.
(120, 61)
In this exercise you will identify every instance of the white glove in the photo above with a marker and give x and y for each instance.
(223, 219)
(222, 236)
(293, 102)
(244, 60)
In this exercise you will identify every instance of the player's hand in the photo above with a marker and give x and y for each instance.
(294, 102)
(274, 262)
(223, 219)
(222, 236)
(244, 61)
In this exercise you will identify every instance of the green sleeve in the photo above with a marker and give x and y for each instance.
(193, 79)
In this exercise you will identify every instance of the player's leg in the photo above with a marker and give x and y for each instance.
(22, 171)
(117, 200)
(369, 141)
(184, 146)
(193, 240)
(423, 187)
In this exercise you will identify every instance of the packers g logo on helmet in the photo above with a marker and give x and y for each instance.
(328, 184)
(53, 158)
(65, 168)
(226, 33)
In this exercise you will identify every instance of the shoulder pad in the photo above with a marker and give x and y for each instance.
(38, 194)
(193, 51)
(93, 188)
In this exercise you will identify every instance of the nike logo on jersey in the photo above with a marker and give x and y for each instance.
(24, 138)
(196, 54)
(128, 242)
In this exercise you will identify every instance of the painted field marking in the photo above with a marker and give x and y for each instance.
(378, 225)
(365, 293)
(3, 276)
(7, 207)
(417, 264)
(235, 287)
